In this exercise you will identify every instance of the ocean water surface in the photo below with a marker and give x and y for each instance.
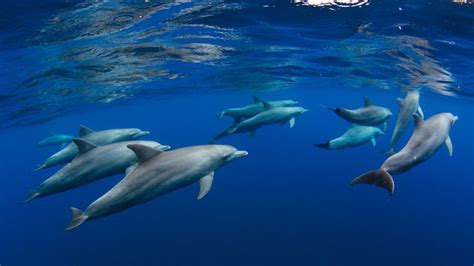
(170, 67)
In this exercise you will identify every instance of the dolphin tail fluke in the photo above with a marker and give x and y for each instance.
(78, 218)
(380, 178)
(33, 195)
(322, 145)
(327, 107)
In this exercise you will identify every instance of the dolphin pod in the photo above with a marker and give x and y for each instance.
(91, 164)
(426, 139)
(95, 137)
(355, 136)
(408, 107)
(244, 112)
(368, 115)
(269, 116)
(159, 173)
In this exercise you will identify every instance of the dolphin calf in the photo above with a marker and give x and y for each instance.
(95, 137)
(91, 164)
(271, 115)
(408, 107)
(248, 111)
(159, 173)
(427, 138)
(55, 139)
(369, 115)
(355, 136)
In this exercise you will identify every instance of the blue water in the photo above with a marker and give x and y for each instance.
(169, 67)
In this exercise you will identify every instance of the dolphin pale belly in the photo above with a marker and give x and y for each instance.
(355, 136)
(95, 137)
(91, 164)
(368, 115)
(159, 173)
(426, 139)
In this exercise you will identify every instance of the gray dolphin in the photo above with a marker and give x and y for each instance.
(241, 113)
(159, 173)
(91, 164)
(271, 115)
(369, 115)
(427, 138)
(355, 136)
(95, 137)
(56, 139)
(408, 107)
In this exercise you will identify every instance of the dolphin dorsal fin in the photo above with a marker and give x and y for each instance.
(256, 99)
(84, 131)
(83, 146)
(418, 121)
(266, 105)
(143, 153)
(367, 102)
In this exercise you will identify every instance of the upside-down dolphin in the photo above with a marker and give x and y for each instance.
(159, 173)
(271, 115)
(355, 136)
(91, 164)
(248, 111)
(95, 137)
(368, 115)
(427, 138)
(408, 106)
(56, 139)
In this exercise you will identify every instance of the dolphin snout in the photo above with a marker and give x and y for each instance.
(238, 154)
(304, 111)
(142, 133)
(455, 118)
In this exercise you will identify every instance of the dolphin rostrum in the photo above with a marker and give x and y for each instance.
(271, 115)
(355, 136)
(427, 138)
(159, 173)
(95, 137)
(244, 112)
(91, 164)
(369, 115)
(408, 107)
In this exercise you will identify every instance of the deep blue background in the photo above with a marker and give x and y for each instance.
(287, 203)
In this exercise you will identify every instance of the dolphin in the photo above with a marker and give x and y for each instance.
(427, 138)
(95, 137)
(408, 107)
(157, 174)
(241, 113)
(271, 115)
(55, 139)
(355, 136)
(91, 164)
(369, 115)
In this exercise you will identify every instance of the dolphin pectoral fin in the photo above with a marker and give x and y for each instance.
(39, 167)
(205, 184)
(420, 112)
(143, 153)
(380, 178)
(130, 169)
(77, 218)
(84, 131)
(400, 101)
(389, 152)
(374, 142)
(292, 122)
(385, 127)
(63, 145)
(449, 144)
